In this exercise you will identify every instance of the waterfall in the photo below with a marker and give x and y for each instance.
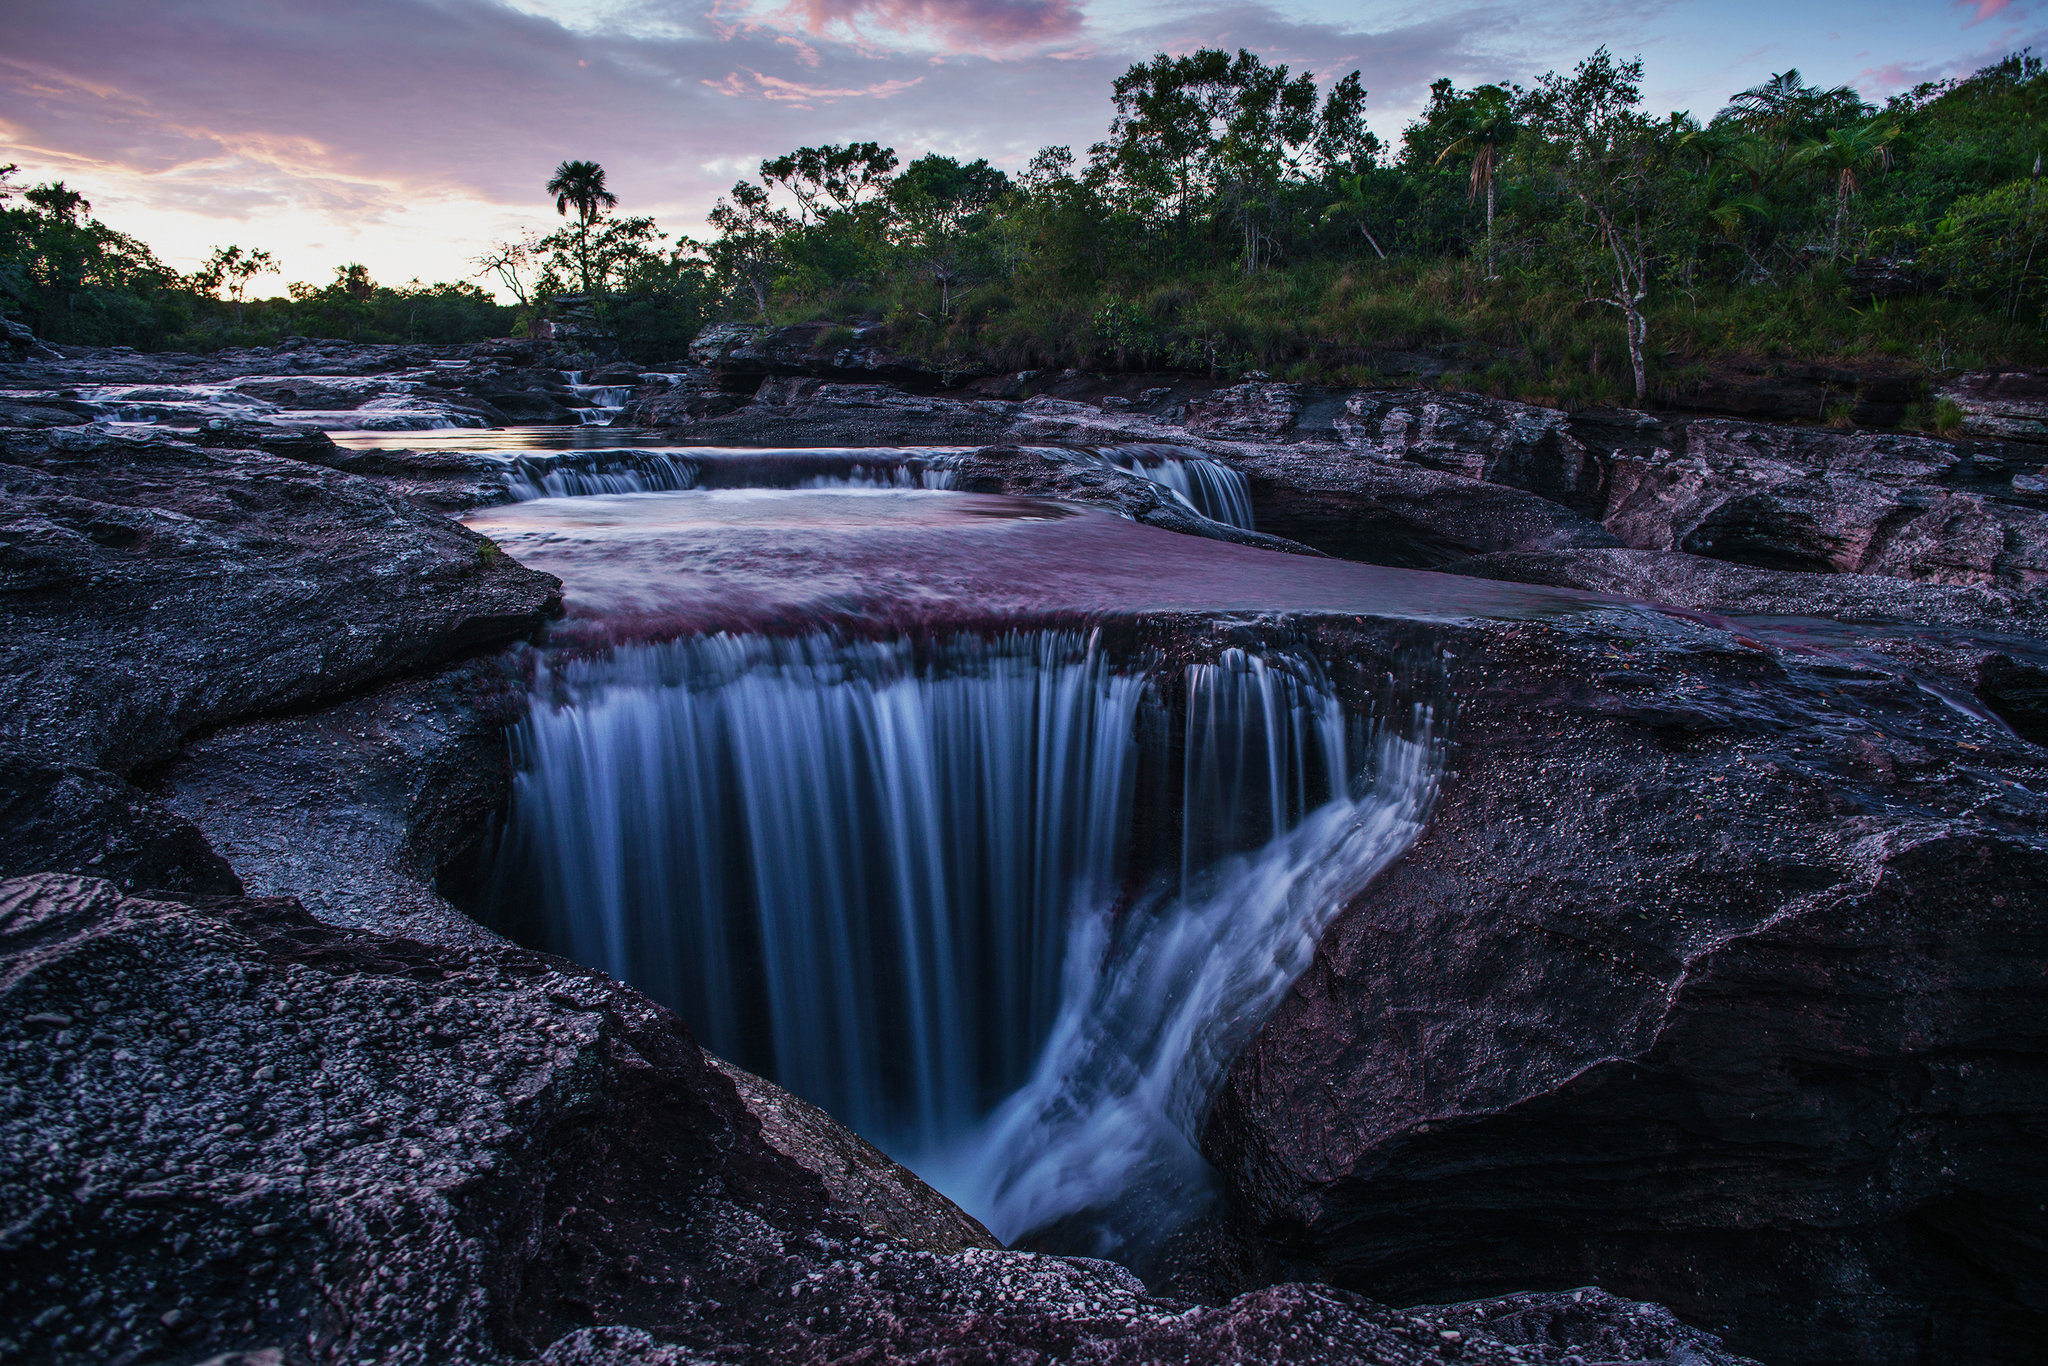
(1102, 1143)
(577, 476)
(1005, 907)
(886, 852)
(1211, 488)
(606, 401)
(572, 474)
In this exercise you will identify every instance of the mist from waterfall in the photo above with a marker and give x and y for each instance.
(1005, 907)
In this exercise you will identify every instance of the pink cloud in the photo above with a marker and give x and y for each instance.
(757, 86)
(1983, 9)
(805, 53)
(965, 25)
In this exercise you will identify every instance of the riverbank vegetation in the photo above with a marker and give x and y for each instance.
(1558, 241)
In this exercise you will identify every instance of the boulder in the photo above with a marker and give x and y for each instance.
(1719, 977)
(157, 588)
(1801, 499)
(2007, 405)
(845, 351)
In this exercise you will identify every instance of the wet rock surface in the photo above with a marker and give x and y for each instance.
(156, 588)
(1716, 977)
(231, 1129)
(361, 811)
(1416, 478)
(818, 350)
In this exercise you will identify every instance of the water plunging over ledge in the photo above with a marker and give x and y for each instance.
(1008, 907)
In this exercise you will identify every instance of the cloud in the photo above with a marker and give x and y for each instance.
(407, 132)
(758, 86)
(961, 25)
(404, 133)
(1983, 9)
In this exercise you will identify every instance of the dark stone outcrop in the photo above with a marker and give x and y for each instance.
(1694, 582)
(823, 350)
(1784, 498)
(362, 811)
(1870, 394)
(79, 819)
(1719, 976)
(156, 588)
(888, 1199)
(231, 1133)
(18, 342)
(2002, 404)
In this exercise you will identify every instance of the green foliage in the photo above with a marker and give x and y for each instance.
(1557, 242)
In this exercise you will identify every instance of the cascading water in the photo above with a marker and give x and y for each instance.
(628, 470)
(532, 477)
(1103, 1141)
(606, 402)
(888, 852)
(911, 882)
(1211, 488)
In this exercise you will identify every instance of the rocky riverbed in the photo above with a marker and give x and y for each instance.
(1716, 980)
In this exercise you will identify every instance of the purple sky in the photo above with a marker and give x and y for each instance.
(407, 133)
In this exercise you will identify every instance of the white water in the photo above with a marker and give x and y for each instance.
(606, 401)
(656, 470)
(1154, 1007)
(1208, 486)
(397, 402)
(880, 857)
(899, 882)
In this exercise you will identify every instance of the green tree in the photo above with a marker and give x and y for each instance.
(232, 268)
(1990, 243)
(1607, 157)
(749, 248)
(940, 205)
(1355, 204)
(1486, 125)
(833, 178)
(1216, 129)
(1839, 154)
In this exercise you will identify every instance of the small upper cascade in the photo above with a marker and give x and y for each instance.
(606, 401)
(578, 473)
(586, 473)
(1210, 487)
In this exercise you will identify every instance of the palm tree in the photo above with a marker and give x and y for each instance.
(582, 183)
(1489, 126)
(1841, 154)
(1785, 107)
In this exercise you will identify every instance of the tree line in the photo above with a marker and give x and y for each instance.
(1559, 240)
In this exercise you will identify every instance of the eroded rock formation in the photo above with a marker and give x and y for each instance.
(231, 1129)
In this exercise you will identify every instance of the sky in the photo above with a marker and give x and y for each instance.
(409, 134)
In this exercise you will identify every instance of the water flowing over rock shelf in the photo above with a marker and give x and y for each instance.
(1162, 870)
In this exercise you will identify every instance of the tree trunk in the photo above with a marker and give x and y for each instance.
(1638, 331)
(1489, 223)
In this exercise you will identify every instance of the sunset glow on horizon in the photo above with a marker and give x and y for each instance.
(407, 134)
